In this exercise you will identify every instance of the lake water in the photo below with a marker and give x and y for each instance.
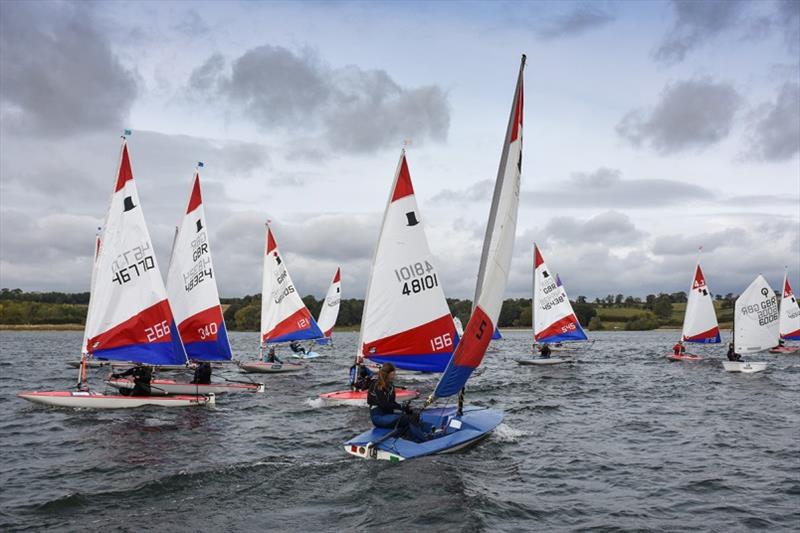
(621, 441)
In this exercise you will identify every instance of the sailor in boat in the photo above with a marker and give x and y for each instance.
(142, 375)
(544, 351)
(271, 357)
(781, 343)
(382, 406)
(202, 373)
(732, 355)
(679, 348)
(297, 348)
(360, 376)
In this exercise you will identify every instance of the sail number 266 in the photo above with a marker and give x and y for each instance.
(416, 277)
(156, 331)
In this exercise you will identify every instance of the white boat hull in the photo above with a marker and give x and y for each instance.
(262, 367)
(96, 400)
(544, 362)
(307, 355)
(168, 386)
(747, 367)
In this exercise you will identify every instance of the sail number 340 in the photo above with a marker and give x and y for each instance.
(416, 277)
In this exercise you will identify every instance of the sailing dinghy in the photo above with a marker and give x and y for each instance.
(554, 321)
(790, 319)
(406, 320)
(330, 308)
(458, 427)
(194, 297)
(284, 316)
(129, 317)
(755, 325)
(700, 320)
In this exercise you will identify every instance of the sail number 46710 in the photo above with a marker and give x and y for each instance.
(416, 277)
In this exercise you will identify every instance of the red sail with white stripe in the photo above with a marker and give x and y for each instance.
(330, 307)
(192, 286)
(284, 316)
(790, 312)
(130, 318)
(498, 246)
(406, 320)
(700, 322)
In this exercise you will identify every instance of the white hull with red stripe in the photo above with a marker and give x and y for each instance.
(96, 400)
(169, 386)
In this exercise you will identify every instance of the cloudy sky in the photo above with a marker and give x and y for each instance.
(651, 128)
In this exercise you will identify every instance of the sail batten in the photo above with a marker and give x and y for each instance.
(192, 285)
(495, 257)
(406, 320)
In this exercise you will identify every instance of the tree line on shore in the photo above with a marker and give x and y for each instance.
(244, 314)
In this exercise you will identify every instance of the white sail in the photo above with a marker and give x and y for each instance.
(130, 319)
(330, 307)
(84, 349)
(284, 316)
(790, 312)
(495, 263)
(700, 321)
(192, 286)
(756, 318)
(553, 317)
(406, 320)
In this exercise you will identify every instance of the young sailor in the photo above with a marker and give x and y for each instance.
(202, 373)
(297, 348)
(382, 406)
(545, 351)
(360, 376)
(271, 357)
(142, 375)
(732, 355)
(679, 348)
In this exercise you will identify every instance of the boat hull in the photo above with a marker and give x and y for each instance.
(785, 349)
(545, 362)
(96, 400)
(459, 433)
(262, 367)
(307, 355)
(683, 357)
(160, 387)
(359, 398)
(746, 367)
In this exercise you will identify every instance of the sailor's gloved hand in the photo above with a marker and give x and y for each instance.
(113, 375)
(407, 409)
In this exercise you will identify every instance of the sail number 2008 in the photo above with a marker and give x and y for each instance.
(416, 277)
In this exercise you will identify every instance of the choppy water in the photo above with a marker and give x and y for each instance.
(621, 441)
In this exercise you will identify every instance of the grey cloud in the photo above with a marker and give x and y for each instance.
(192, 24)
(788, 19)
(602, 188)
(687, 245)
(611, 228)
(691, 115)
(775, 126)
(474, 193)
(59, 73)
(763, 200)
(353, 110)
(581, 19)
(696, 21)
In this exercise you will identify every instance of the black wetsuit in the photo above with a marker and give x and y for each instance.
(732, 355)
(382, 404)
(545, 351)
(296, 348)
(142, 375)
(202, 374)
(272, 358)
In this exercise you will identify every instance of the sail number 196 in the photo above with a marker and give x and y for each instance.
(441, 342)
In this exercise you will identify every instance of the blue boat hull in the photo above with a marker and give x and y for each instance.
(475, 424)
